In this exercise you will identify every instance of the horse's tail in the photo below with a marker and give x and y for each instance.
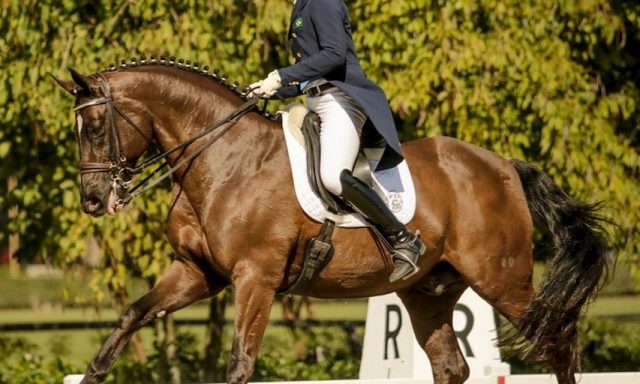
(573, 275)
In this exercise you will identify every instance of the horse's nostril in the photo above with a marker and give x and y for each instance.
(92, 204)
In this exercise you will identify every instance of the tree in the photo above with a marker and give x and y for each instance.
(552, 82)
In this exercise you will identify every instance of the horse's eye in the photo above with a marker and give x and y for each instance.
(95, 129)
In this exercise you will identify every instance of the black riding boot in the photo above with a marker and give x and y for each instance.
(407, 247)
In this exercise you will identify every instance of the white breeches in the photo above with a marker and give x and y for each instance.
(342, 122)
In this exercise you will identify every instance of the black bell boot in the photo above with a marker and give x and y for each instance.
(406, 246)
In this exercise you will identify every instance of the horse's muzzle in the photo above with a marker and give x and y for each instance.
(94, 206)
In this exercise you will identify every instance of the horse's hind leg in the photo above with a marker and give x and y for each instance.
(513, 304)
(183, 284)
(512, 298)
(432, 322)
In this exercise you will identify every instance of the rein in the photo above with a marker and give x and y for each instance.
(121, 173)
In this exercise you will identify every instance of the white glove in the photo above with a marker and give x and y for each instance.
(267, 87)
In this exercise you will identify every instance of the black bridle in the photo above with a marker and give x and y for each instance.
(118, 166)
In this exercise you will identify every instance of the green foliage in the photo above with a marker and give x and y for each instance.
(553, 82)
(549, 81)
(326, 357)
(22, 364)
(610, 347)
(606, 346)
(273, 366)
(127, 370)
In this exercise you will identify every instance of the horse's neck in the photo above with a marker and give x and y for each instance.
(184, 110)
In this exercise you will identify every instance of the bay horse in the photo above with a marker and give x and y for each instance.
(235, 220)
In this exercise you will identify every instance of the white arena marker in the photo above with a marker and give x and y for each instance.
(391, 351)
(73, 379)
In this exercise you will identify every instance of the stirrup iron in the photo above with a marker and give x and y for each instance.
(407, 254)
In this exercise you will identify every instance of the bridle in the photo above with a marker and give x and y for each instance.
(118, 167)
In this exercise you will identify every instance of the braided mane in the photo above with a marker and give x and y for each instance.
(186, 65)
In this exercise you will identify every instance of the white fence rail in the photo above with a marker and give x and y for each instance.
(587, 378)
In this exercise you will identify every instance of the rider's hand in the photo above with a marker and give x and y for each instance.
(267, 87)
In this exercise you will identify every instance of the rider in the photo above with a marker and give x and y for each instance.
(350, 107)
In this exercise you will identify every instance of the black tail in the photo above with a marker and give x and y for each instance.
(573, 276)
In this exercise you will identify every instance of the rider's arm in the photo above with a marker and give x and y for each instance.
(287, 92)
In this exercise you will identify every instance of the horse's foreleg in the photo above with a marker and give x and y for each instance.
(183, 284)
(431, 319)
(253, 300)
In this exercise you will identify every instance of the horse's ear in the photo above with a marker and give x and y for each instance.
(83, 82)
(67, 85)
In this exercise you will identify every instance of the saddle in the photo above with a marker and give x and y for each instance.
(394, 185)
(302, 134)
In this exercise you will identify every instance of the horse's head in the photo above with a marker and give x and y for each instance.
(113, 131)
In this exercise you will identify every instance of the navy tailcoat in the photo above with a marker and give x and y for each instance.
(322, 45)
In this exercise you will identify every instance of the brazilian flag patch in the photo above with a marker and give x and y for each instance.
(298, 23)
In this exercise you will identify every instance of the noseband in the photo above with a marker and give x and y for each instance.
(118, 166)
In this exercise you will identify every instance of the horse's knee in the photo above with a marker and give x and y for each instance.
(135, 316)
(94, 374)
(130, 318)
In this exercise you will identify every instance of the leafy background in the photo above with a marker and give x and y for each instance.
(555, 82)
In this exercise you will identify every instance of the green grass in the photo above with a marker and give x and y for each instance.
(615, 306)
(347, 310)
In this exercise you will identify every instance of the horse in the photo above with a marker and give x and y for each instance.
(235, 221)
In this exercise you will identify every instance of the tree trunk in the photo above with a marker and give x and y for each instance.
(14, 238)
(166, 346)
(303, 335)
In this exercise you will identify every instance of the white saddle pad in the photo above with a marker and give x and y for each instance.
(393, 185)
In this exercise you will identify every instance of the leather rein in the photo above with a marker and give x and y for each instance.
(118, 166)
